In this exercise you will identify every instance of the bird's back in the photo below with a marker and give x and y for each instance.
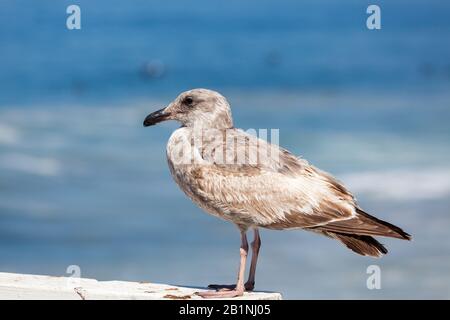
(246, 180)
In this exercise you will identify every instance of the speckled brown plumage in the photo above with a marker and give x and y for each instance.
(254, 184)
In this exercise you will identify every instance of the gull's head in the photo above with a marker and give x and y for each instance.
(195, 108)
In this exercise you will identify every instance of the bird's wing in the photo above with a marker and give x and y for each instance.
(236, 147)
(258, 183)
(278, 190)
(250, 195)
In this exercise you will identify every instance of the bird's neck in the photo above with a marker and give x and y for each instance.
(206, 124)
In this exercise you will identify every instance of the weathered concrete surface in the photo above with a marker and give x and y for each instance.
(36, 287)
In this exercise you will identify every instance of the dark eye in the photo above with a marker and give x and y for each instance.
(188, 101)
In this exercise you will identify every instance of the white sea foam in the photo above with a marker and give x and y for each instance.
(8, 135)
(31, 164)
(401, 185)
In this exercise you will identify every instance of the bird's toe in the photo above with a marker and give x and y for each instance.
(249, 286)
(222, 287)
(221, 294)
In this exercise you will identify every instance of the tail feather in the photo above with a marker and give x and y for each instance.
(365, 224)
(399, 233)
(363, 245)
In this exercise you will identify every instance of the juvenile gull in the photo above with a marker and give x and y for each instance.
(252, 183)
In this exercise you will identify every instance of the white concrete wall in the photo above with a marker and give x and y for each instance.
(25, 286)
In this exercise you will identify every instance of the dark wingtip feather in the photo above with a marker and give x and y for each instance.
(363, 245)
(398, 231)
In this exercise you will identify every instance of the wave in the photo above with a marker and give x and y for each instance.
(400, 184)
(8, 135)
(31, 164)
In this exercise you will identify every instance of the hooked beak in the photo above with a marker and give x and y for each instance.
(155, 117)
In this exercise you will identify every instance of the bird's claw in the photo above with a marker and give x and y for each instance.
(221, 294)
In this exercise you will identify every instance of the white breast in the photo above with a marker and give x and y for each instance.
(183, 156)
(182, 150)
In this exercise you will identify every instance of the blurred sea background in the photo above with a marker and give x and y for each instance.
(83, 183)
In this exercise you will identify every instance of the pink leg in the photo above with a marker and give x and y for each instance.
(239, 289)
(256, 244)
(250, 284)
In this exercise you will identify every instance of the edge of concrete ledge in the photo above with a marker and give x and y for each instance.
(39, 287)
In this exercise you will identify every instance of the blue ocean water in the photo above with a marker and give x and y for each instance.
(82, 183)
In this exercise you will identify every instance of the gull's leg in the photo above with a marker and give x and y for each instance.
(256, 244)
(239, 288)
(250, 284)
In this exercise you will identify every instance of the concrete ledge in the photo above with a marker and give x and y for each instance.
(35, 287)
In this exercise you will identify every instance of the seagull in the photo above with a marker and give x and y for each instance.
(254, 184)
